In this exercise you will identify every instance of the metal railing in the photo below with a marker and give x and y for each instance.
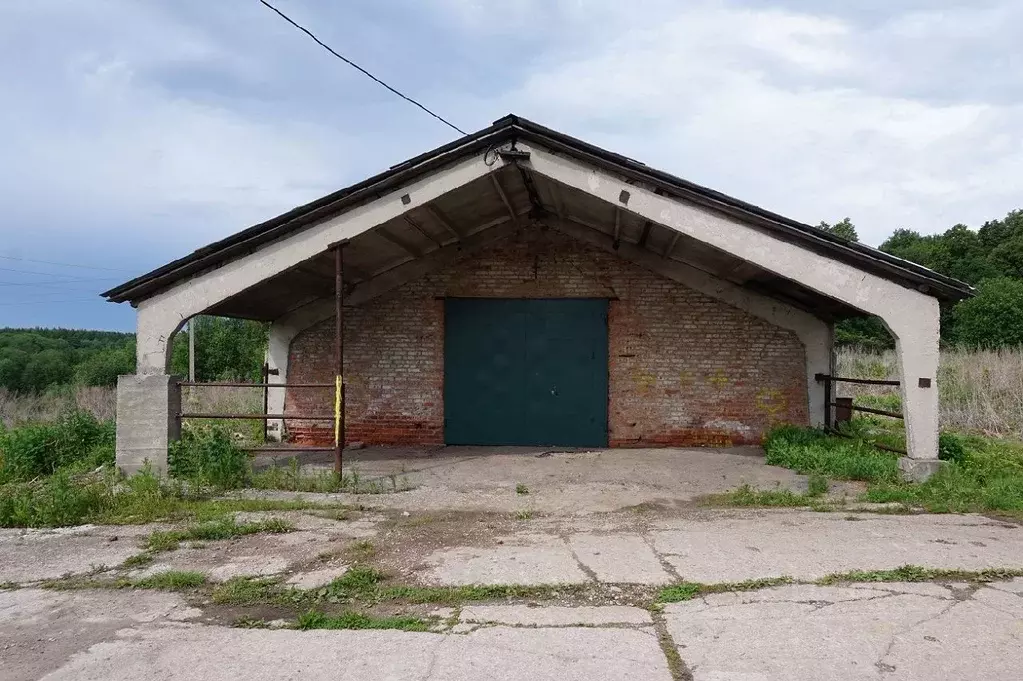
(844, 406)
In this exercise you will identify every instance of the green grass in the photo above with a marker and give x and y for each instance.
(359, 620)
(138, 560)
(521, 489)
(174, 580)
(810, 452)
(214, 530)
(686, 591)
(916, 573)
(367, 586)
(980, 475)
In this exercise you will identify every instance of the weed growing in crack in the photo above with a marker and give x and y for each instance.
(686, 591)
(172, 580)
(138, 560)
(521, 489)
(359, 620)
(916, 573)
(225, 528)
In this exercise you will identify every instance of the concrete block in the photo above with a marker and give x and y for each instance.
(919, 470)
(147, 421)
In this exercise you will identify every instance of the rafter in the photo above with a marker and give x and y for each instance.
(403, 244)
(504, 198)
(411, 222)
(442, 220)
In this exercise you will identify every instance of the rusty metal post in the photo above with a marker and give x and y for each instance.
(266, 399)
(843, 410)
(339, 358)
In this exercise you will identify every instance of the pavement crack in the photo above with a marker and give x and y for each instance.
(881, 664)
(665, 565)
(677, 667)
(433, 659)
(582, 566)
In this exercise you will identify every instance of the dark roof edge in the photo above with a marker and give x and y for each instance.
(245, 241)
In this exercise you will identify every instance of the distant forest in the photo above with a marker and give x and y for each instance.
(990, 258)
(36, 360)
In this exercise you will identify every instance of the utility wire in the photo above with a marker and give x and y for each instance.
(63, 264)
(359, 68)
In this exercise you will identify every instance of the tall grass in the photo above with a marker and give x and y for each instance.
(16, 408)
(980, 391)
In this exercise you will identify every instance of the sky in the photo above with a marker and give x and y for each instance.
(135, 131)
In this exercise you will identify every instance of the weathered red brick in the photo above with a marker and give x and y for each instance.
(684, 368)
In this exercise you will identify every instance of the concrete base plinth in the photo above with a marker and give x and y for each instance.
(919, 470)
(147, 421)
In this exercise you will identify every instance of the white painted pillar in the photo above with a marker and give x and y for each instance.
(917, 349)
(819, 345)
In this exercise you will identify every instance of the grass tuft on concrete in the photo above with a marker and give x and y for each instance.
(173, 580)
(225, 528)
(686, 591)
(359, 620)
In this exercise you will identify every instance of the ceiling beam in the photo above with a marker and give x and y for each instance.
(443, 221)
(647, 226)
(618, 224)
(504, 198)
(419, 228)
(671, 246)
(401, 243)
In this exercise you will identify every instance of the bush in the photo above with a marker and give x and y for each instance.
(951, 448)
(207, 454)
(55, 501)
(34, 450)
(994, 317)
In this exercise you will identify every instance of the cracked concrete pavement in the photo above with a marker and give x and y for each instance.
(892, 631)
(574, 533)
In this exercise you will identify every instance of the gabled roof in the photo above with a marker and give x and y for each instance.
(515, 128)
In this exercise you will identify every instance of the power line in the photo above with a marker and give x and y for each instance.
(63, 264)
(359, 68)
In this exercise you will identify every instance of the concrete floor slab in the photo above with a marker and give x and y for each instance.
(544, 562)
(819, 633)
(571, 483)
(808, 545)
(198, 653)
(41, 630)
(555, 616)
(32, 555)
(619, 558)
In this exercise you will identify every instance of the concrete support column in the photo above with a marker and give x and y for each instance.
(917, 349)
(147, 421)
(153, 333)
(818, 339)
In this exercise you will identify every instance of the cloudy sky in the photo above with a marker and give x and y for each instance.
(134, 131)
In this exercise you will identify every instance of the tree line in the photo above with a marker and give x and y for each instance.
(36, 360)
(989, 258)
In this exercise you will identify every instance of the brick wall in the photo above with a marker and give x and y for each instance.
(684, 369)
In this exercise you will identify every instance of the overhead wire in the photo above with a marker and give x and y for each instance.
(360, 69)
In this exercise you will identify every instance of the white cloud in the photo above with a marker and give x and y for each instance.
(789, 111)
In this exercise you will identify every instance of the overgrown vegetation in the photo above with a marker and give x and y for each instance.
(980, 475)
(36, 360)
(61, 473)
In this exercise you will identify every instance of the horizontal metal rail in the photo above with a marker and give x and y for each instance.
(256, 417)
(862, 381)
(869, 410)
(200, 384)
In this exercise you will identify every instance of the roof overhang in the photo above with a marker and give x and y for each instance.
(511, 197)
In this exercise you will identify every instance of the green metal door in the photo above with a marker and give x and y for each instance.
(525, 372)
